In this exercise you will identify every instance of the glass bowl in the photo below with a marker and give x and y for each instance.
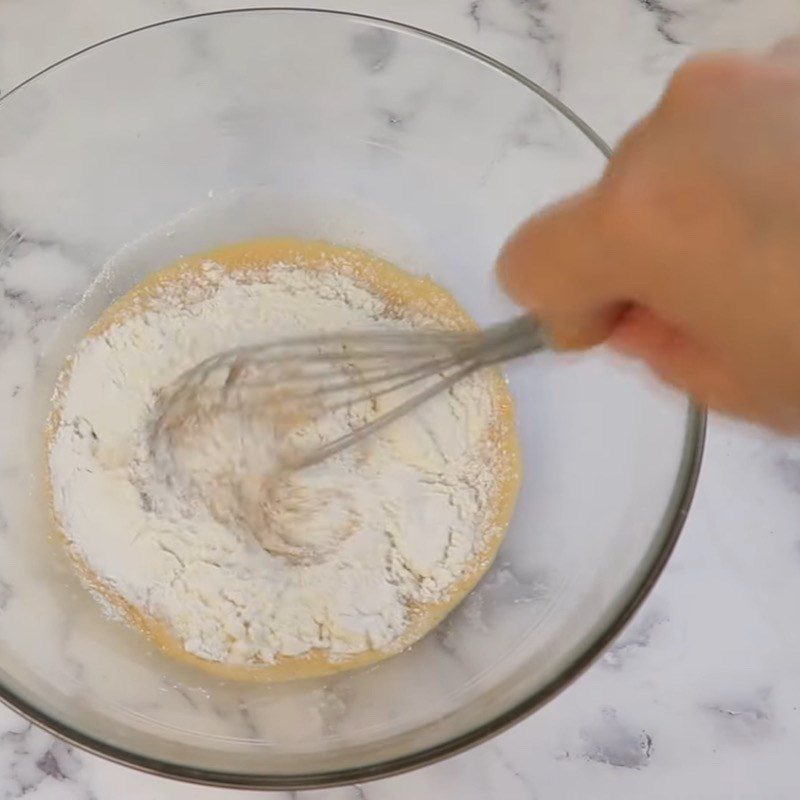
(185, 135)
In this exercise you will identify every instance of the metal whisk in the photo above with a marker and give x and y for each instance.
(299, 379)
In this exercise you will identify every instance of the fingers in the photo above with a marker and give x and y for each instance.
(680, 361)
(554, 266)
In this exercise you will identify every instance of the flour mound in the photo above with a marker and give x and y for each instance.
(241, 570)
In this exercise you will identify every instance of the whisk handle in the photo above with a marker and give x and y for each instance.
(517, 337)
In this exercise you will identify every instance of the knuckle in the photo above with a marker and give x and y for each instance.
(710, 79)
(637, 222)
(628, 195)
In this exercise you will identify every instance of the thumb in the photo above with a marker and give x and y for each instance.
(555, 265)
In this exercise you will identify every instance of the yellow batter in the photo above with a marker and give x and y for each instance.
(402, 291)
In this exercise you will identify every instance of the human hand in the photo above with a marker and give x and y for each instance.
(686, 253)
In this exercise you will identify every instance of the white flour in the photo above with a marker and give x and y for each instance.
(348, 545)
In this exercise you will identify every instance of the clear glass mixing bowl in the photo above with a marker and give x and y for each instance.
(185, 135)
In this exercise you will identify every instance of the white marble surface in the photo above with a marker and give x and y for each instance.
(700, 696)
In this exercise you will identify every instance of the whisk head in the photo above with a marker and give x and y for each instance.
(295, 382)
(232, 430)
(360, 380)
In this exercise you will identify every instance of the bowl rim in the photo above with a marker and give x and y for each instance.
(658, 554)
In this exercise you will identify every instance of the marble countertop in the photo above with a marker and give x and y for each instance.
(700, 695)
